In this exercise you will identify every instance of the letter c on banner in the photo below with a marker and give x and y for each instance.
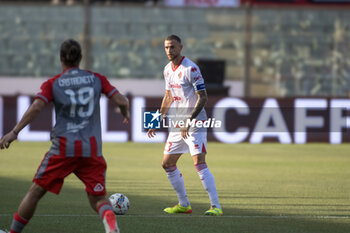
(219, 113)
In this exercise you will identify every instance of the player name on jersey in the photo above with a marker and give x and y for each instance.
(76, 81)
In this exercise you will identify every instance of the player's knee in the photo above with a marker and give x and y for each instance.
(199, 159)
(164, 165)
(167, 165)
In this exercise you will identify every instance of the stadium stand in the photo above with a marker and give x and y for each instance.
(293, 51)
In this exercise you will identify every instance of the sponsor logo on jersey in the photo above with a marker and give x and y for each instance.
(99, 187)
(174, 85)
(176, 98)
(74, 127)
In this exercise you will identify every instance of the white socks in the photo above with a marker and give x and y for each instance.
(208, 183)
(177, 181)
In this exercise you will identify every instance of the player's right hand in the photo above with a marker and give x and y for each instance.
(151, 133)
(126, 118)
(7, 139)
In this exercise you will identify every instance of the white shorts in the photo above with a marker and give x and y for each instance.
(196, 143)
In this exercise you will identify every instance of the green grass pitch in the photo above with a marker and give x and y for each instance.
(267, 188)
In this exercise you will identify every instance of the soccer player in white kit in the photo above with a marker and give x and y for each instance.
(185, 89)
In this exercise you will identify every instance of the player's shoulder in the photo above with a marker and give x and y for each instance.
(56, 77)
(188, 63)
(53, 79)
(192, 67)
(94, 73)
(98, 75)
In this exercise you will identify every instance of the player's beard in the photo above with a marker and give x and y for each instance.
(173, 58)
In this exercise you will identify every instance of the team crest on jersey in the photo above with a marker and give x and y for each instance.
(194, 69)
(99, 187)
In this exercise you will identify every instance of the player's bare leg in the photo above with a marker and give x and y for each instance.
(27, 208)
(176, 180)
(104, 208)
(208, 183)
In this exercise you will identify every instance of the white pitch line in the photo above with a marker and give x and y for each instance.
(194, 216)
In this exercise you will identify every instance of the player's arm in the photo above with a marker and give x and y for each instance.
(31, 113)
(164, 108)
(201, 101)
(123, 103)
(166, 103)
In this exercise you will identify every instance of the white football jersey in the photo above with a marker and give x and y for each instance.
(183, 81)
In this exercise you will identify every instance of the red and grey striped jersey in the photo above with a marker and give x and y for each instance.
(76, 94)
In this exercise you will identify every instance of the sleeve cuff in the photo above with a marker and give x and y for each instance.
(43, 98)
(113, 92)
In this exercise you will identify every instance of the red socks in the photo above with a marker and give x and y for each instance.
(18, 223)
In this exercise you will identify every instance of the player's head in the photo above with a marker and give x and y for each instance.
(173, 47)
(70, 53)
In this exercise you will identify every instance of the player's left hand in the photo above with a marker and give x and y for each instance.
(151, 133)
(7, 139)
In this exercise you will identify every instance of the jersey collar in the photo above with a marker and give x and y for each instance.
(69, 68)
(175, 68)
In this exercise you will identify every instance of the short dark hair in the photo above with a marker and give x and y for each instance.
(70, 52)
(174, 37)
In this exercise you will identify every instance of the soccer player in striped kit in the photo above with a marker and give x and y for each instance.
(76, 137)
(185, 90)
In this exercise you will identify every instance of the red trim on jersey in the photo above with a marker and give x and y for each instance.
(78, 148)
(46, 89)
(93, 146)
(203, 149)
(107, 88)
(41, 98)
(174, 68)
(62, 146)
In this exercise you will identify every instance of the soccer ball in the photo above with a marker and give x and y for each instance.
(120, 203)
